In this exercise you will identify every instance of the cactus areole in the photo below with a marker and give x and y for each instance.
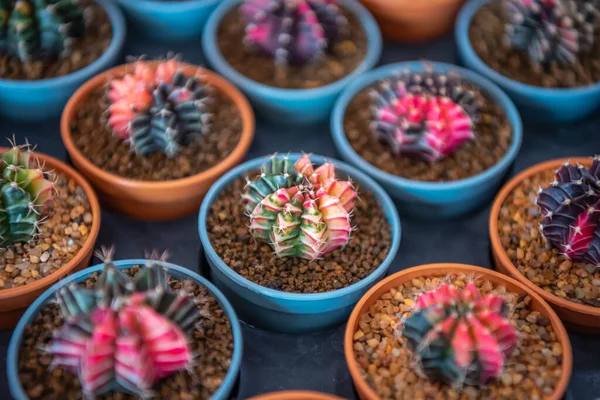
(126, 333)
(32, 29)
(24, 191)
(300, 211)
(293, 32)
(571, 212)
(460, 336)
(552, 30)
(424, 114)
(158, 110)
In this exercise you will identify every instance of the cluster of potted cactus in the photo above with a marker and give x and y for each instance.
(297, 243)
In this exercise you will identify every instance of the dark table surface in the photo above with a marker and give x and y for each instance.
(273, 362)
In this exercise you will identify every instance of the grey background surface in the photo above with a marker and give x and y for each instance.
(273, 362)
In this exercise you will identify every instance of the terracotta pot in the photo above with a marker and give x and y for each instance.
(365, 391)
(295, 395)
(579, 317)
(14, 301)
(153, 201)
(411, 21)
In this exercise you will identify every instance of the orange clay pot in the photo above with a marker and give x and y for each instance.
(365, 391)
(579, 317)
(412, 21)
(295, 395)
(154, 201)
(14, 301)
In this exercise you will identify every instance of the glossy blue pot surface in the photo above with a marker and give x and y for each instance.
(279, 311)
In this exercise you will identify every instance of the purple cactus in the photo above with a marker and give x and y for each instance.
(293, 31)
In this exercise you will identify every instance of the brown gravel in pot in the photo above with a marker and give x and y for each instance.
(486, 32)
(95, 140)
(341, 61)
(532, 371)
(67, 227)
(518, 228)
(88, 49)
(214, 345)
(227, 227)
(493, 136)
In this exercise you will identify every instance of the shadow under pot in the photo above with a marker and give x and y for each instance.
(545, 60)
(295, 247)
(49, 223)
(454, 330)
(155, 138)
(544, 232)
(437, 137)
(42, 66)
(149, 301)
(292, 59)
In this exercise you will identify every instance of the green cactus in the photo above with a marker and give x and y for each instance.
(31, 29)
(23, 190)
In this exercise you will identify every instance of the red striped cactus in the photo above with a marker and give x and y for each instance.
(126, 334)
(460, 336)
(301, 211)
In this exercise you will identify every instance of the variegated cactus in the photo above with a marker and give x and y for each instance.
(425, 114)
(125, 334)
(552, 30)
(460, 336)
(31, 29)
(301, 211)
(571, 212)
(293, 31)
(158, 111)
(24, 190)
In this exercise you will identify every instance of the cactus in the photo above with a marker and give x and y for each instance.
(301, 211)
(158, 111)
(425, 114)
(126, 333)
(460, 336)
(552, 30)
(571, 212)
(32, 29)
(294, 32)
(24, 190)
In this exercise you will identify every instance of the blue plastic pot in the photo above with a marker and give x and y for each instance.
(165, 21)
(292, 106)
(12, 358)
(46, 98)
(279, 311)
(431, 199)
(536, 103)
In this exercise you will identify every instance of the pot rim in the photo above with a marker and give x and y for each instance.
(295, 395)
(64, 169)
(213, 53)
(12, 357)
(119, 30)
(213, 79)
(442, 269)
(499, 250)
(173, 8)
(373, 187)
(461, 33)
(498, 96)
(376, 6)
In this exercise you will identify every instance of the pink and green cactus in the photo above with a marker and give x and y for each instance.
(460, 336)
(571, 212)
(32, 29)
(300, 211)
(158, 111)
(24, 190)
(126, 334)
(293, 31)
(552, 30)
(424, 114)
